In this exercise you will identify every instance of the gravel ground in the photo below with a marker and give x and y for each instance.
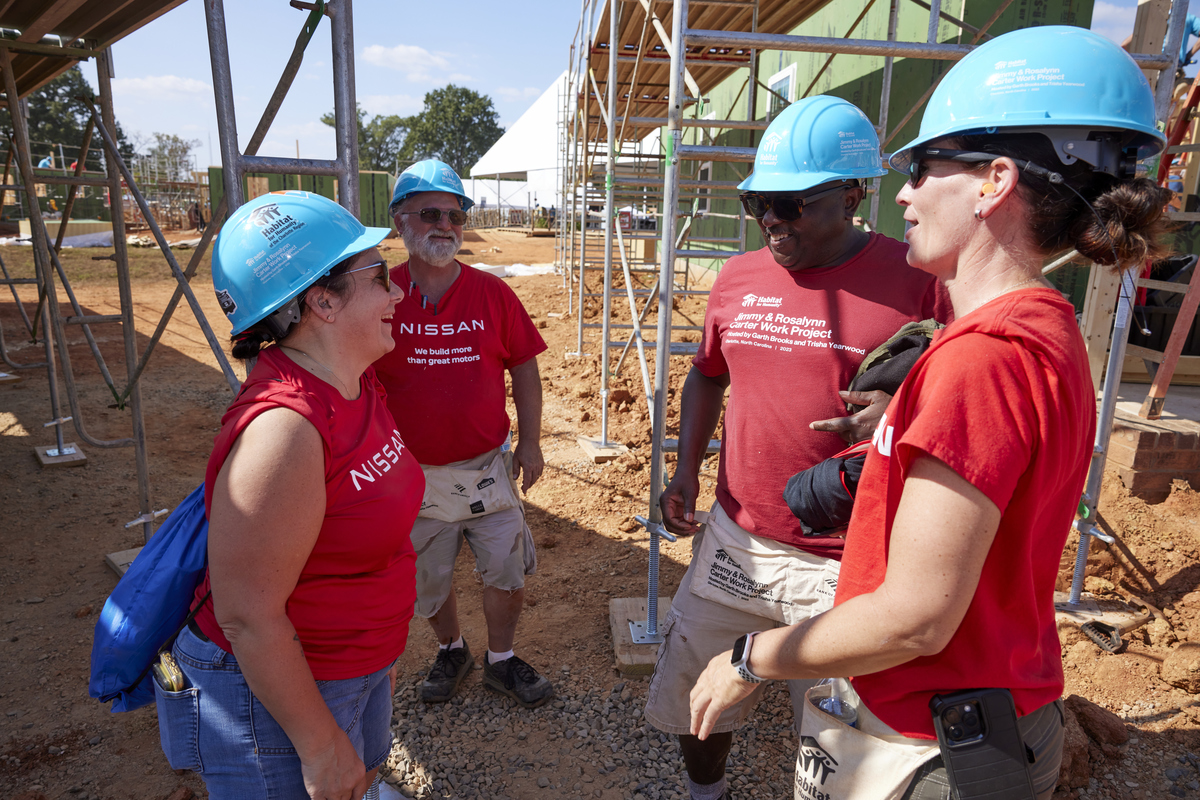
(587, 742)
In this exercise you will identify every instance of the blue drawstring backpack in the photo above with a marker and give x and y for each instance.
(149, 607)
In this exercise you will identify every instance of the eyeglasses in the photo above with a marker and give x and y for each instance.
(433, 216)
(387, 276)
(919, 155)
(787, 207)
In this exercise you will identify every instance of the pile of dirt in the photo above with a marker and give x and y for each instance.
(1133, 718)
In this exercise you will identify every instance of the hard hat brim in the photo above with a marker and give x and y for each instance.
(799, 182)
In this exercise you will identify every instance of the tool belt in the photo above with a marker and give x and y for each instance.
(456, 492)
(868, 762)
(760, 576)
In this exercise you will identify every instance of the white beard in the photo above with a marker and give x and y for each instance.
(431, 248)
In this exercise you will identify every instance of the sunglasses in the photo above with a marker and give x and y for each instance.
(387, 276)
(434, 215)
(787, 207)
(919, 155)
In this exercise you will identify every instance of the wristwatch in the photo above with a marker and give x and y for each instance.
(741, 658)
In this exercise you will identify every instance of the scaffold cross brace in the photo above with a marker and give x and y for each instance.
(153, 516)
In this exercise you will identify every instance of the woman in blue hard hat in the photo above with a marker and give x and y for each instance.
(310, 496)
(1027, 149)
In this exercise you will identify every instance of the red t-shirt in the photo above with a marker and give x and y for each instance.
(1005, 398)
(445, 377)
(354, 598)
(790, 341)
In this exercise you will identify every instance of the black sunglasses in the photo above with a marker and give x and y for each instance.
(434, 215)
(387, 275)
(919, 155)
(787, 207)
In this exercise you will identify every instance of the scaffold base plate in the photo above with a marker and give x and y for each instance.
(119, 561)
(8, 377)
(598, 452)
(72, 457)
(634, 660)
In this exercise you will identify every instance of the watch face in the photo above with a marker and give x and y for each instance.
(739, 648)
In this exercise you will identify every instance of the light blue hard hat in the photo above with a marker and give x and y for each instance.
(430, 175)
(1075, 87)
(275, 247)
(814, 141)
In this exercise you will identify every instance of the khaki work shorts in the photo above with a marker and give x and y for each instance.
(501, 542)
(695, 631)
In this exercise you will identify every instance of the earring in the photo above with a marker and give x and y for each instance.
(988, 188)
(979, 214)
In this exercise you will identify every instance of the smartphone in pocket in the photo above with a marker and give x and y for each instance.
(981, 745)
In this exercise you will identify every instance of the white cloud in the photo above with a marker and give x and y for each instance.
(458, 77)
(513, 95)
(1113, 21)
(416, 62)
(402, 104)
(157, 88)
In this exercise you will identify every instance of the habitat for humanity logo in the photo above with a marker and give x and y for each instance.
(813, 766)
(768, 154)
(274, 224)
(751, 300)
(451, 179)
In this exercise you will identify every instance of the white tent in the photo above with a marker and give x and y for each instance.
(527, 152)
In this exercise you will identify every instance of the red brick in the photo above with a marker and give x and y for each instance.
(1186, 440)
(1178, 462)
(1135, 437)
(1153, 487)
(1121, 454)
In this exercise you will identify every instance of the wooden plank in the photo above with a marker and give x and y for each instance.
(71, 459)
(599, 453)
(7, 378)
(1187, 371)
(1112, 611)
(119, 561)
(633, 660)
(1153, 405)
(1099, 306)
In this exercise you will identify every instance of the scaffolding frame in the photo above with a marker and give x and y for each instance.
(685, 45)
(48, 319)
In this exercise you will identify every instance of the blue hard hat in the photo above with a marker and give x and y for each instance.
(430, 175)
(275, 247)
(1077, 88)
(814, 141)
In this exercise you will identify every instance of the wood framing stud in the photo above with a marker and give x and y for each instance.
(73, 457)
(633, 660)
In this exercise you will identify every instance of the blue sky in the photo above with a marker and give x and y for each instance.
(163, 83)
(509, 51)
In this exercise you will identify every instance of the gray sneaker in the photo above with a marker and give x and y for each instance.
(447, 674)
(518, 680)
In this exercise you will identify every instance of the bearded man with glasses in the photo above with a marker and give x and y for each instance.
(456, 333)
(786, 328)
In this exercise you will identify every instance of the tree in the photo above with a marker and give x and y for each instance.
(57, 116)
(379, 141)
(169, 158)
(457, 125)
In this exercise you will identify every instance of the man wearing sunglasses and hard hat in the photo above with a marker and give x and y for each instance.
(457, 331)
(786, 328)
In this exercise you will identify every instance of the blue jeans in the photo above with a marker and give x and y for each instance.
(218, 728)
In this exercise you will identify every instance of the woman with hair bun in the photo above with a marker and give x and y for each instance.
(1028, 148)
(288, 665)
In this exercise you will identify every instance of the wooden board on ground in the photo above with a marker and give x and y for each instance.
(1112, 611)
(73, 457)
(119, 561)
(8, 377)
(599, 453)
(633, 660)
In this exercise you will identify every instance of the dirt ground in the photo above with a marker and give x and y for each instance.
(58, 524)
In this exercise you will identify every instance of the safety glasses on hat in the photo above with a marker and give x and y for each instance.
(787, 207)
(434, 215)
(387, 276)
(919, 155)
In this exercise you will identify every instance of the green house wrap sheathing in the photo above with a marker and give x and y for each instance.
(374, 191)
(858, 79)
